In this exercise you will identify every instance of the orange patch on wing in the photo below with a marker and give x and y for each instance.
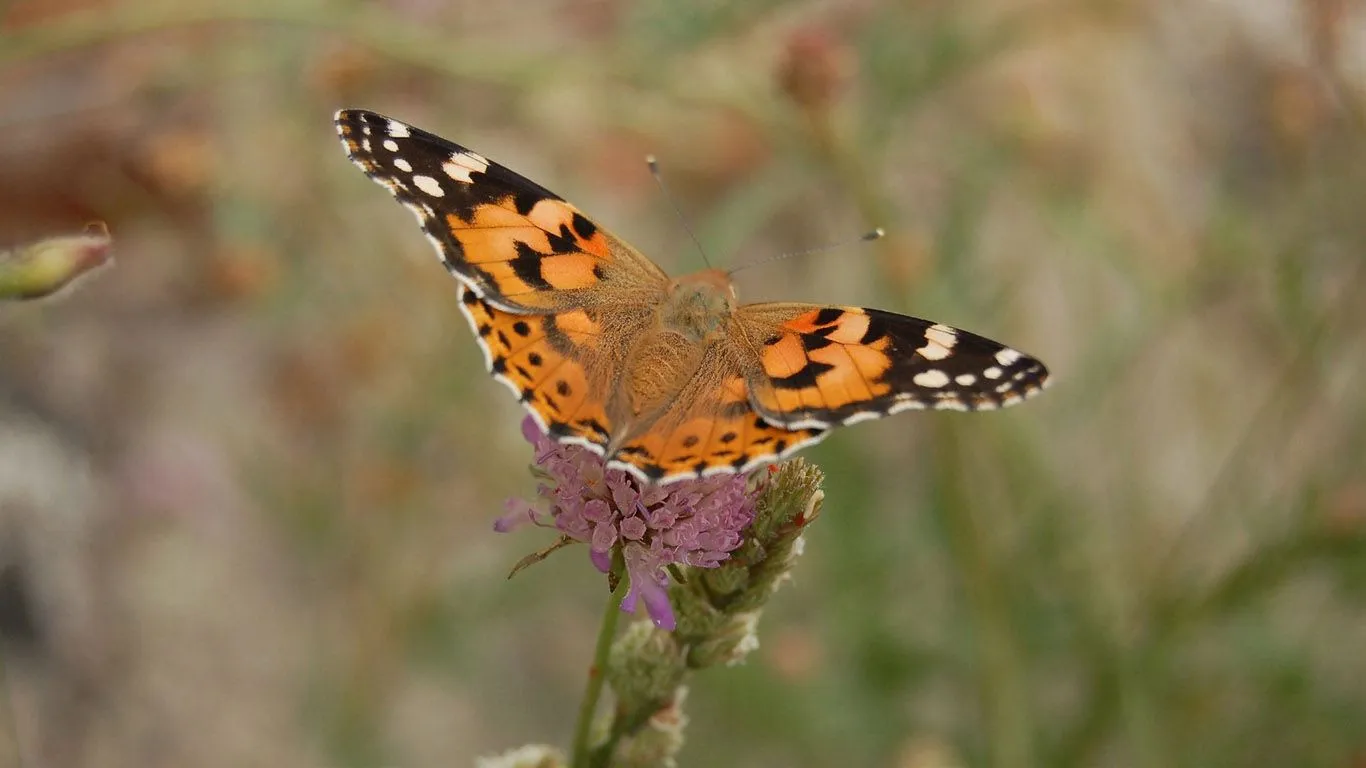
(550, 383)
(504, 278)
(730, 441)
(803, 323)
(847, 377)
(790, 400)
(569, 270)
(494, 216)
(849, 328)
(556, 216)
(579, 327)
(550, 215)
(483, 245)
(785, 357)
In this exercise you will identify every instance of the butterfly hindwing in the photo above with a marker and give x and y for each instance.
(709, 426)
(517, 243)
(822, 366)
(536, 357)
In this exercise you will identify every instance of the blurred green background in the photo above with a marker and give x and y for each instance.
(247, 475)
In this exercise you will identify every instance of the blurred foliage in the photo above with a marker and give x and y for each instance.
(248, 475)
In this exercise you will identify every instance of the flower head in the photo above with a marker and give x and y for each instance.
(690, 522)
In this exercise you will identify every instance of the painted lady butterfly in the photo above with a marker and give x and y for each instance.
(668, 378)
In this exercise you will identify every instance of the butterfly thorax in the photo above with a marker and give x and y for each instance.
(693, 314)
(698, 305)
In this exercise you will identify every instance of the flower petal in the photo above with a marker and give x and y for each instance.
(517, 512)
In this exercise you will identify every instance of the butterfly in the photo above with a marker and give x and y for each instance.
(667, 378)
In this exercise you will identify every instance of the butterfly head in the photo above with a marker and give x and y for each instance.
(699, 304)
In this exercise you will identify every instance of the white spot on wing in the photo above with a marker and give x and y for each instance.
(942, 335)
(1007, 356)
(403, 165)
(932, 379)
(398, 130)
(992, 373)
(907, 403)
(462, 164)
(429, 185)
(391, 145)
(965, 379)
(939, 341)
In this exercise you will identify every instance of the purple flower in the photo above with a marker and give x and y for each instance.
(690, 522)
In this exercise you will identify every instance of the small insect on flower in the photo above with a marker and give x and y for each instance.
(697, 523)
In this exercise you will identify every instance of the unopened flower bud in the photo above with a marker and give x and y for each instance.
(645, 667)
(655, 744)
(45, 267)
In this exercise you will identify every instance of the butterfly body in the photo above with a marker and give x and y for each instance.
(667, 378)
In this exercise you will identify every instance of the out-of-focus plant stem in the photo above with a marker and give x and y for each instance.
(593, 691)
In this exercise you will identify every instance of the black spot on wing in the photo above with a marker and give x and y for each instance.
(814, 341)
(804, 378)
(524, 200)
(583, 227)
(562, 241)
(828, 315)
(876, 330)
(527, 267)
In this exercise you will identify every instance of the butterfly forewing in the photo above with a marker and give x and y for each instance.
(517, 243)
(823, 366)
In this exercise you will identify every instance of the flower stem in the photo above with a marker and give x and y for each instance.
(606, 631)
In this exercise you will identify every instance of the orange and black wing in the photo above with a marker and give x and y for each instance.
(549, 363)
(817, 367)
(709, 427)
(517, 243)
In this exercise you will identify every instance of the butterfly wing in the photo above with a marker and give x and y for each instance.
(816, 367)
(708, 427)
(550, 363)
(517, 243)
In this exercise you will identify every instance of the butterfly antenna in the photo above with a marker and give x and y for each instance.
(866, 237)
(653, 163)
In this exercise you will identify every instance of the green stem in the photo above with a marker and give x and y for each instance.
(606, 631)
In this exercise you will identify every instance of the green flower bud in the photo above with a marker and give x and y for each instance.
(45, 267)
